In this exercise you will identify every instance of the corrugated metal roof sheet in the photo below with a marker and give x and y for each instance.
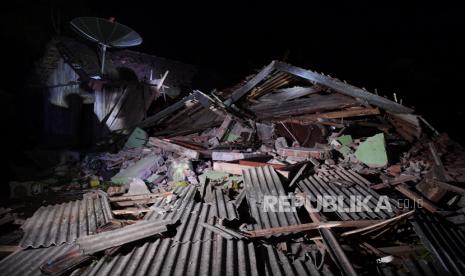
(225, 208)
(260, 182)
(445, 242)
(195, 250)
(27, 262)
(337, 181)
(64, 223)
(104, 240)
(222, 206)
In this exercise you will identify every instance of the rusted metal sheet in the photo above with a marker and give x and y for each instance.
(64, 223)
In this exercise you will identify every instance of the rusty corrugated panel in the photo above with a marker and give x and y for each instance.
(336, 181)
(27, 262)
(64, 223)
(195, 250)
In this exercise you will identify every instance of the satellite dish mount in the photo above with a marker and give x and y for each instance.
(103, 49)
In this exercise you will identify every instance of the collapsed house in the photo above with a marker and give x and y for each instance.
(236, 182)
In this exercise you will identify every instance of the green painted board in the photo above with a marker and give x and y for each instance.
(137, 139)
(372, 152)
(345, 140)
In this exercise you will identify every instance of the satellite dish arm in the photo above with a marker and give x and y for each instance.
(104, 50)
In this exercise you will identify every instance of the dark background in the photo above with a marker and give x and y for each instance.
(416, 52)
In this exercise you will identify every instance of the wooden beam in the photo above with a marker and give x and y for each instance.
(138, 197)
(131, 211)
(235, 168)
(420, 200)
(332, 244)
(261, 164)
(129, 203)
(393, 182)
(377, 225)
(311, 119)
(310, 226)
(221, 131)
(9, 248)
(450, 187)
(241, 91)
(167, 111)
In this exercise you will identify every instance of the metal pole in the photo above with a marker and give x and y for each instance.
(104, 50)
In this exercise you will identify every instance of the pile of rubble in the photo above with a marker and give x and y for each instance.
(291, 172)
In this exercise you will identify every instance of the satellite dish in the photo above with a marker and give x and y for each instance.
(106, 33)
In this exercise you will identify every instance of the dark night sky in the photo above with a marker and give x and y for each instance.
(417, 52)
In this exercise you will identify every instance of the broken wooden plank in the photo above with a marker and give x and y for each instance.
(331, 243)
(261, 164)
(223, 231)
(139, 197)
(9, 248)
(231, 156)
(168, 146)
(129, 203)
(303, 152)
(221, 131)
(312, 104)
(167, 111)
(395, 181)
(378, 225)
(231, 168)
(310, 226)
(417, 198)
(116, 190)
(275, 81)
(407, 125)
(235, 168)
(291, 93)
(241, 91)
(131, 211)
(311, 119)
(450, 187)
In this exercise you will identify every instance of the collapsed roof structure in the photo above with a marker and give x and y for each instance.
(190, 191)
